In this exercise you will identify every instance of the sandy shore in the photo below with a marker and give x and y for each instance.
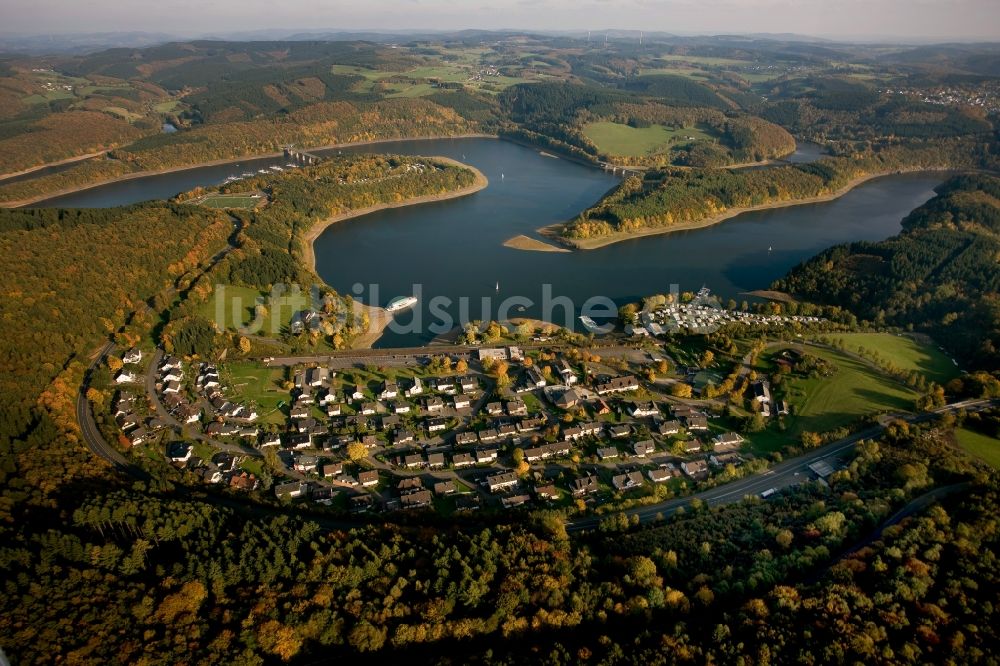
(227, 160)
(553, 231)
(523, 242)
(379, 317)
(68, 160)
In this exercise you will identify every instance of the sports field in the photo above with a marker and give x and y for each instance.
(619, 139)
(903, 352)
(230, 201)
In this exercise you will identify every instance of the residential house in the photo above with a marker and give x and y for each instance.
(435, 460)
(584, 485)
(620, 431)
(434, 405)
(269, 439)
(317, 377)
(443, 488)
(358, 393)
(462, 402)
(132, 356)
(668, 428)
(178, 452)
(566, 373)
(662, 474)
(466, 438)
(305, 464)
(416, 388)
(644, 448)
(641, 410)
(388, 390)
(501, 481)
(617, 385)
(400, 407)
(369, 408)
(515, 354)
(607, 453)
(517, 408)
(627, 481)
(332, 469)
(486, 456)
(138, 436)
(492, 354)
(488, 435)
(568, 399)
(696, 469)
(761, 392)
(368, 478)
(416, 500)
(494, 408)
(514, 501)
(467, 383)
(291, 489)
(437, 424)
(299, 441)
(727, 440)
(414, 461)
(462, 460)
(334, 409)
(535, 378)
(548, 492)
(696, 423)
(126, 377)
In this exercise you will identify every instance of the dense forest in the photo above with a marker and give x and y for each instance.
(172, 579)
(939, 275)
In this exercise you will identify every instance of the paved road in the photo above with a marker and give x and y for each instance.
(786, 473)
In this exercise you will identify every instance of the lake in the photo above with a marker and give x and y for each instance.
(452, 250)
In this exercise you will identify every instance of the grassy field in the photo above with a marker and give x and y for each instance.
(981, 446)
(233, 308)
(903, 352)
(258, 384)
(856, 390)
(677, 70)
(619, 139)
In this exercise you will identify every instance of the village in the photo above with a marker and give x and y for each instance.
(492, 428)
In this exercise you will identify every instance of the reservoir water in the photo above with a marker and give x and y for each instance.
(454, 249)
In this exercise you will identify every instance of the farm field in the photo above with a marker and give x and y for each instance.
(903, 352)
(982, 446)
(619, 139)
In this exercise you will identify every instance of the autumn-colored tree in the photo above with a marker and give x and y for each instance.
(114, 363)
(680, 390)
(244, 344)
(461, 366)
(357, 451)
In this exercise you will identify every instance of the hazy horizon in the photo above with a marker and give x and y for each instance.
(918, 20)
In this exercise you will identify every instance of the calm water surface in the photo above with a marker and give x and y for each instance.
(453, 249)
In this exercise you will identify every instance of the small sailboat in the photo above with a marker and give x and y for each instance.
(498, 286)
(768, 248)
(501, 176)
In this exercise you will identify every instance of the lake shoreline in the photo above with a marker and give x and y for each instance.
(378, 317)
(21, 203)
(47, 165)
(552, 231)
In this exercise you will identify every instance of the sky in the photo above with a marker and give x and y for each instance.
(918, 19)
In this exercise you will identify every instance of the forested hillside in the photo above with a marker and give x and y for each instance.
(667, 198)
(939, 275)
(73, 279)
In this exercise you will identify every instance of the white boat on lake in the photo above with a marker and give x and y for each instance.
(401, 303)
